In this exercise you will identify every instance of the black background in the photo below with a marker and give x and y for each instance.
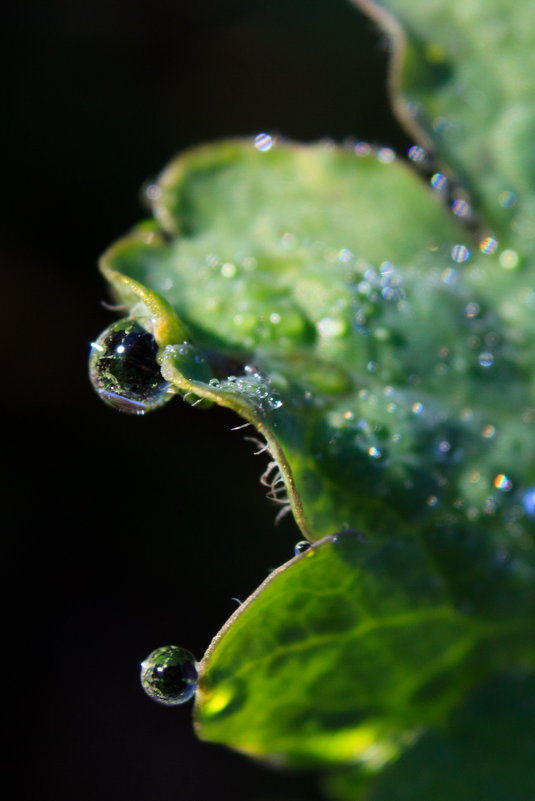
(123, 534)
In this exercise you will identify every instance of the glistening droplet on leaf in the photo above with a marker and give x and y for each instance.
(301, 547)
(169, 675)
(124, 371)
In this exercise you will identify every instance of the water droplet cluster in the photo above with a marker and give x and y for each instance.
(253, 386)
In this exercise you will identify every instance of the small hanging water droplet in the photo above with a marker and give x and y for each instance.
(169, 675)
(301, 547)
(124, 371)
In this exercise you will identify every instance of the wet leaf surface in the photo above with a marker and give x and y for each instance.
(464, 72)
(382, 344)
(343, 654)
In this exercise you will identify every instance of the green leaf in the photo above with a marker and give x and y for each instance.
(485, 752)
(386, 354)
(463, 72)
(370, 359)
(343, 654)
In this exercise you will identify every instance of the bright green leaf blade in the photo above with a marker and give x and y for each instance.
(464, 74)
(365, 342)
(485, 752)
(341, 655)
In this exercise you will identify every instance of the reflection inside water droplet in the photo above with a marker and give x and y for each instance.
(169, 675)
(124, 370)
(301, 547)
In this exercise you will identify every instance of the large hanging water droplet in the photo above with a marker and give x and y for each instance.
(124, 371)
(169, 675)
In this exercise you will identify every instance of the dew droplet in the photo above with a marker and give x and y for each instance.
(362, 149)
(460, 253)
(331, 328)
(472, 309)
(344, 255)
(124, 370)
(386, 155)
(263, 142)
(375, 453)
(417, 154)
(461, 208)
(153, 192)
(439, 181)
(488, 432)
(169, 675)
(417, 408)
(301, 547)
(274, 403)
(507, 199)
(488, 245)
(486, 359)
(228, 270)
(503, 482)
(509, 259)
(449, 275)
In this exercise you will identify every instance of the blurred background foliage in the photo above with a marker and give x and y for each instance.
(98, 570)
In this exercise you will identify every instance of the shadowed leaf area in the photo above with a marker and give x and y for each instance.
(486, 751)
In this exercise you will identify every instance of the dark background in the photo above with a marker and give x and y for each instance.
(123, 534)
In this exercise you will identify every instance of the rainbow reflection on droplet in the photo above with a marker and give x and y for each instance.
(488, 245)
(503, 482)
